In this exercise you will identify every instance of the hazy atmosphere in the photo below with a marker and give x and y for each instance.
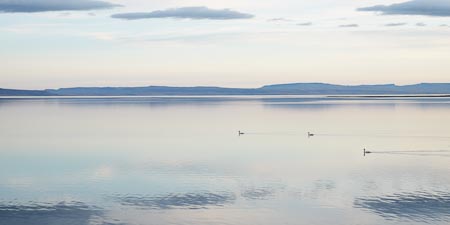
(238, 43)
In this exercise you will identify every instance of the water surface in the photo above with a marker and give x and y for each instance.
(179, 160)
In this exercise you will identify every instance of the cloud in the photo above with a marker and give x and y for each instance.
(304, 24)
(65, 14)
(186, 13)
(279, 19)
(421, 24)
(413, 7)
(349, 25)
(395, 24)
(31, 6)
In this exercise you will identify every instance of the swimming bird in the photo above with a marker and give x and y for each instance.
(366, 152)
(240, 133)
(310, 134)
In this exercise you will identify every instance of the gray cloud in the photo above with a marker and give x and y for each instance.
(421, 24)
(65, 14)
(414, 7)
(279, 19)
(395, 24)
(186, 13)
(349, 25)
(30, 6)
(304, 24)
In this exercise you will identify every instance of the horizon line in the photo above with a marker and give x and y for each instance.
(228, 87)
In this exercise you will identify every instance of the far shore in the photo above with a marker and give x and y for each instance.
(391, 96)
(223, 96)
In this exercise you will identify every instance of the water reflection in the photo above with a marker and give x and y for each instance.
(418, 206)
(302, 101)
(258, 193)
(173, 201)
(76, 213)
(155, 159)
(319, 189)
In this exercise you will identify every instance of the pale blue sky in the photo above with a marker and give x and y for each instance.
(239, 43)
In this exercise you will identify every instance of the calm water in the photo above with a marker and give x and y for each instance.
(180, 161)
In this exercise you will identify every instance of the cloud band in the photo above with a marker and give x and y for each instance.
(186, 13)
(414, 7)
(32, 6)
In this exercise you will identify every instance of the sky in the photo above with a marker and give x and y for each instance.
(232, 43)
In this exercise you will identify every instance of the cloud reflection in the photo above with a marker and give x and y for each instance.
(76, 213)
(173, 201)
(258, 193)
(419, 206)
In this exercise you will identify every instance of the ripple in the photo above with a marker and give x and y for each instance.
(258, 193)
(76, 213)
(171, 201)
(417, 206)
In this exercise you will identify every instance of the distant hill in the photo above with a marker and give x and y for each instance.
(331, 89)
(151, 90)
(278, 89)
(12, 92)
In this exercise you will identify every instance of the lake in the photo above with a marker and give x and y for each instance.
(180, 160)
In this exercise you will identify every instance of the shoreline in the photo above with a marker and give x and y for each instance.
(223, 96)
